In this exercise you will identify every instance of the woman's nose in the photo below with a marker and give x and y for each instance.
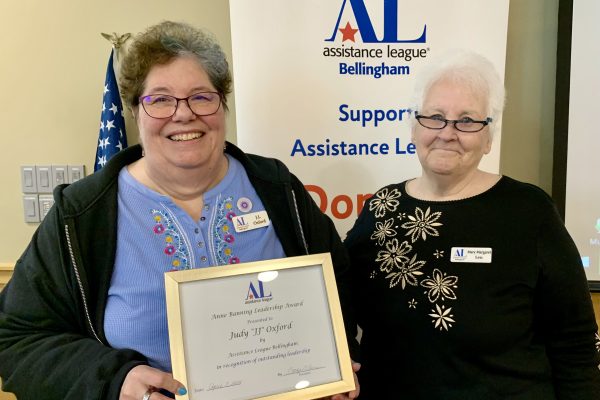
(449, 132)
(183, 112)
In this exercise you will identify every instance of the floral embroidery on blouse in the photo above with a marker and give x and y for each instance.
(399, 261)
(422, 224)
(441, 317)
(383, 230)
(440, 286)
(384, 200)
(598, 342)
(223, 233)
(407, 273)
(175, 247)
(394, 256)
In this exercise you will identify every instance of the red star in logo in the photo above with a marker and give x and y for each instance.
(348, 32)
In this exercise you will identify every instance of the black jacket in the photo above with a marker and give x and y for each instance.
(52, 340)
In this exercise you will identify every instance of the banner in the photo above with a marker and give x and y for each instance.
(325, 86)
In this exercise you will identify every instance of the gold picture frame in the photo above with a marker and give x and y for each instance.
(261, 330)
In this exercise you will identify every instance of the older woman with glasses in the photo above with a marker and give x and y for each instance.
(470, 286)
(84, 316)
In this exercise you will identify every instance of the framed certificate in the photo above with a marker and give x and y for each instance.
(261, 330)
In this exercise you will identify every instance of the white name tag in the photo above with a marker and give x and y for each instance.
(471, 254)
(247, 222)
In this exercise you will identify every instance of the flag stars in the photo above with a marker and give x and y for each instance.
(114, 109)
(102, 161)
(106, 90)
(110, 124)
(103, 143)
(101, 126)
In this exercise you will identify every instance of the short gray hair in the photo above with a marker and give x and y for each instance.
(163, 42)
(468, 68)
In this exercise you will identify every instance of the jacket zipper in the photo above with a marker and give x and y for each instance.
(299, 223)
(74, 264)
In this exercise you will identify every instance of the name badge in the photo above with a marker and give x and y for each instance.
(248, 222)
(471, 255)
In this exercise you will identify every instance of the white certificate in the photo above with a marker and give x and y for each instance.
(263, 330)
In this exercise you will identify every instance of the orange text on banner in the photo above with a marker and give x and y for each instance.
(342, 205)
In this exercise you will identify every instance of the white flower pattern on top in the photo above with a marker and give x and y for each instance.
(441, 317)
(383, 230)
(440, 286)
(394, 256)
(422, 224)
(398, 259)
(407, 273)
(384, 200)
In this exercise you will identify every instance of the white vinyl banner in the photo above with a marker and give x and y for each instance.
(325, 86)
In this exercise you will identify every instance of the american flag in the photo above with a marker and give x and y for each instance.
(112, 137)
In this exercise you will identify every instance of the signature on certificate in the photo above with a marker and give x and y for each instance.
(305, 370)
(217, 386)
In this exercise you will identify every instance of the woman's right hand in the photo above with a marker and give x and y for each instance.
(144, 379)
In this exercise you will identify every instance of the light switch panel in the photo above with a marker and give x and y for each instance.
(31, 208)
(76, 172)
(44, 178)
(60, 175)
(46, 202)
(28, 179)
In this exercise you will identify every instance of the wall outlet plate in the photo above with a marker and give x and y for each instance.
(31, 208)
(46, 202)
(28, 179)
(60, 175)
(43, 175)
(76, 172)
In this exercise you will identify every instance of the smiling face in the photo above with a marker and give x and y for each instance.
(184, 140)
(448, 151)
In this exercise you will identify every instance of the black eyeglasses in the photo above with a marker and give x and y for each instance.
(165, 106)
(464, 125)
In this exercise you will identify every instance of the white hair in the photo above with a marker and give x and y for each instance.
(467, 68)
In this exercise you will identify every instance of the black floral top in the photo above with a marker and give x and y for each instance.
(480, 298)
